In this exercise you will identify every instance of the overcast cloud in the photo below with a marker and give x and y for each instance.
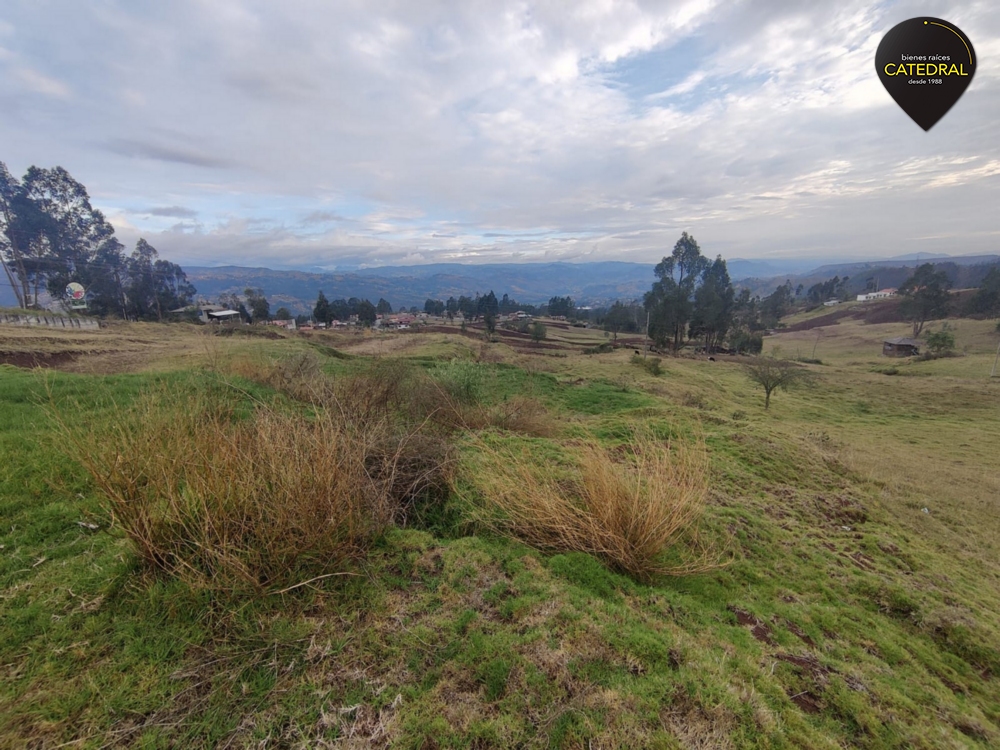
(336, 134)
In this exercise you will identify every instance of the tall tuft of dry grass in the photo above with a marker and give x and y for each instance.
(260, 500)
(636, 509)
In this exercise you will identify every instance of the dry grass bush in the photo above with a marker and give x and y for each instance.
(264, 500)
(396, 389)
(515, 414)
(637, 510)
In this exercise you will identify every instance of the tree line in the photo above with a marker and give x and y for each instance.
(693, 299)
(51, 236)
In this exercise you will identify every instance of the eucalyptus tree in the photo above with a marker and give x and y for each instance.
(670, 302)
(714, 303)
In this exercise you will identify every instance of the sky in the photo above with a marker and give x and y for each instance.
(335, 135)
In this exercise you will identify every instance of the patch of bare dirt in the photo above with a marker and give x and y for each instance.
(800, 633)
(31, 360)
(841, 509)
(758, 628)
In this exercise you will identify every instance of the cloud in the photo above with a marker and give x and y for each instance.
(483, 131)
(322, 217)
(137, 149)
(39, 83)
(177, 212)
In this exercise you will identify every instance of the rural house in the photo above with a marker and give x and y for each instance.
(900, 347)
(880, 294)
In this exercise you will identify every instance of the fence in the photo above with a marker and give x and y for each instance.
(49, 321)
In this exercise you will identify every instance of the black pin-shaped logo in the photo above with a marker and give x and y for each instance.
(925, 64)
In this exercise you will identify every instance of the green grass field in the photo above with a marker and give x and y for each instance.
(852, 602)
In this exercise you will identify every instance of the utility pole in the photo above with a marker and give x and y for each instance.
(993, 372)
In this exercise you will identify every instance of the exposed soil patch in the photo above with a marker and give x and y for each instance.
(841, 510)
(30, 360)
(249, 332)
(872, 312)
(521, 341)
(800, 633)
(863, 561)
(806, 701)
(758, 628)
(807, 663)
(815, 673)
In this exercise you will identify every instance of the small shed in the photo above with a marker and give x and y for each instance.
(900, 347)
(224, 315)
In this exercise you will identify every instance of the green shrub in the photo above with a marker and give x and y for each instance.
(649, 364)
(942, 342)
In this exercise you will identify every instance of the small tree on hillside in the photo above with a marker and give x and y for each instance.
(925, 296)
(538, 331)
(771, 373)
(941, 343)
(616, 319)
(283, 313)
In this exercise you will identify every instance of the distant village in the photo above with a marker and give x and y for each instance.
(385, 321)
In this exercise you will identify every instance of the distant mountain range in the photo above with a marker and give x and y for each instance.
(963, 271)
(597, 283)
(405, 286)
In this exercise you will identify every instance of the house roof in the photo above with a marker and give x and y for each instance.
(903, 341)
(224, 313)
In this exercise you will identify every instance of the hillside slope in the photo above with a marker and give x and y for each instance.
(852, 601)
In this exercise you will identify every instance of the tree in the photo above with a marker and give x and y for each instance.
(488, 305)
(714, 300)
(283, 313)
(771, 373)
(451, 308)
(924, 296)
(383, 307)
(669, 302)
(564, 306)
(434, 307)
(745, 334)
(11, 255)
(342, 309)
(941, 343)
(321, 311)
(617, 318)
(260, 310)
(538, 331)
(467, 306)
(366, 313)
(986, 300)
(835, 288)
(51, 236)
(776, 305)
(154, 286)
